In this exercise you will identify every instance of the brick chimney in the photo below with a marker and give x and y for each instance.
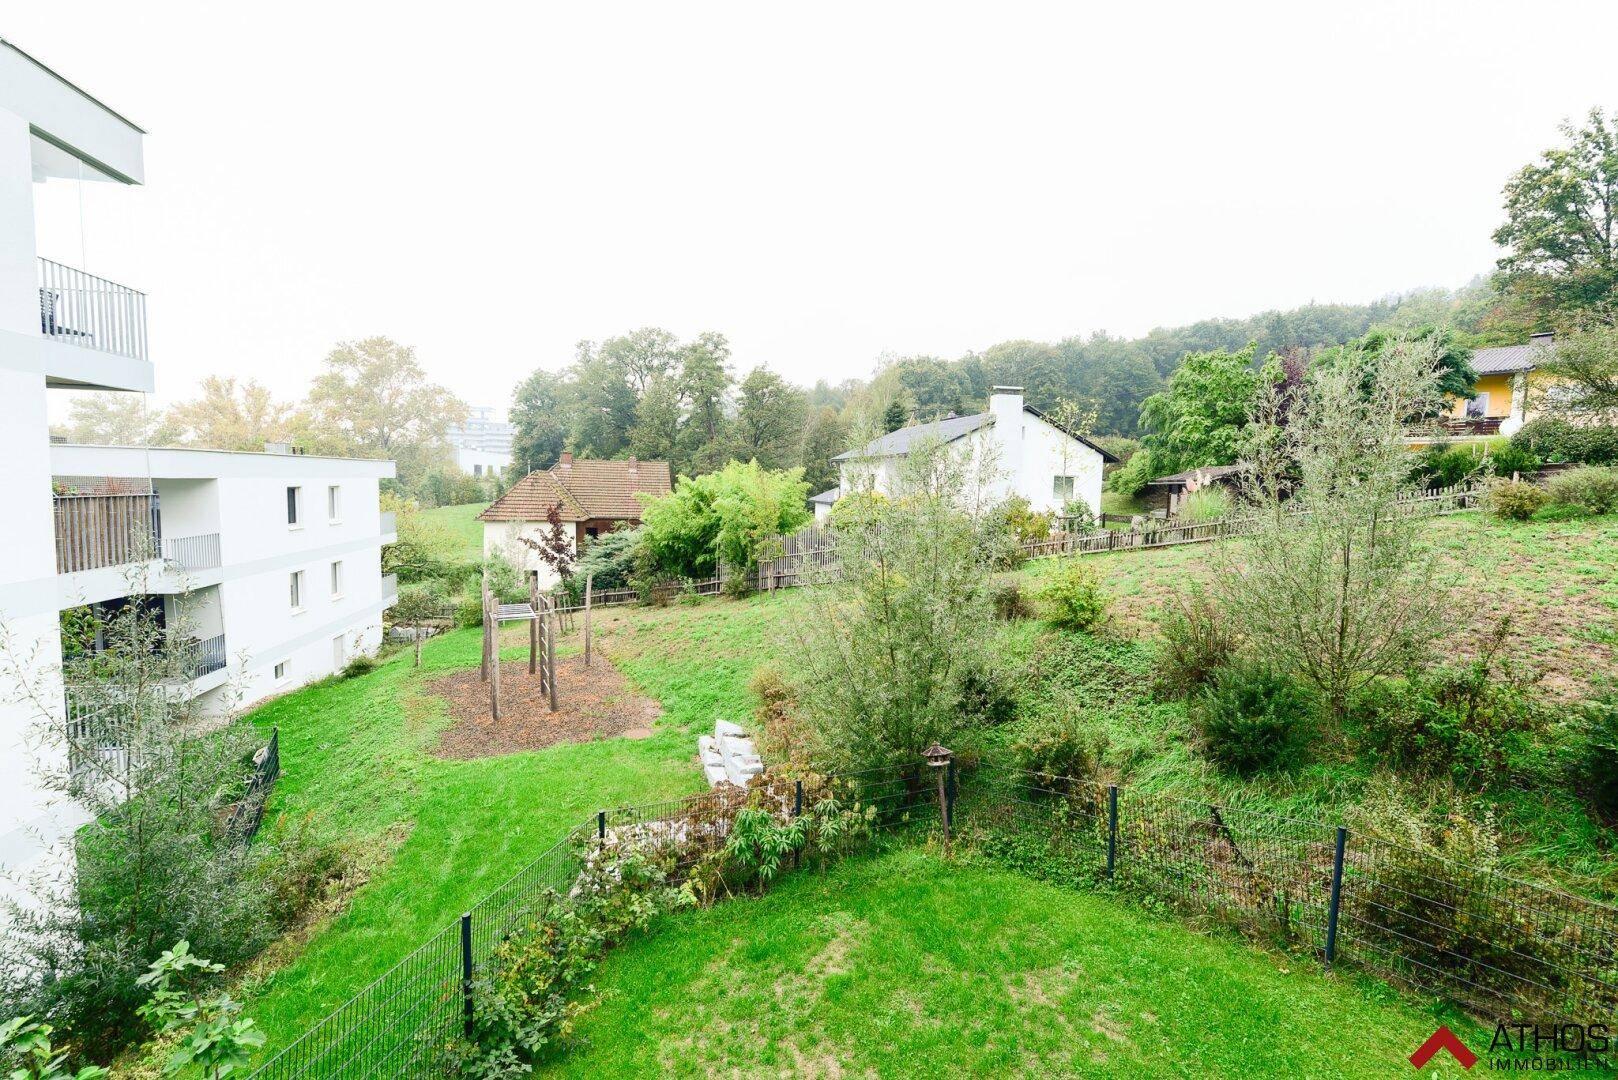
(565, 462)
(633, 467)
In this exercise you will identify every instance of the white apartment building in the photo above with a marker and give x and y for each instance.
(483, 444)
(271, 562)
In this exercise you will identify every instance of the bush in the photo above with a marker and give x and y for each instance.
(1515, 500)
(1197, 642)
(469, 612)
(985, 699)
(1077, 517)
(1509, 459)
(1132, 477)
(1072, 598)
(1442, 466)
(1056, 752)
(1021, 523)
(1596, 758)
(1248, 718)
(1562, 513)
(1554, 439)
(359, 665)
(726, 516)
(1590, 488)
(1006, 594)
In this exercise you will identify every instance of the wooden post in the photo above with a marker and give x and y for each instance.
(494, 674)
(550, 650)
(533, 624)
(483, 672)
(589, 589)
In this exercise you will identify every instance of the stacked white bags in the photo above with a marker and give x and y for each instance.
(728, 755)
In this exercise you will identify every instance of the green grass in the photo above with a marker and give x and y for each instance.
(903, 964)
(457, 532)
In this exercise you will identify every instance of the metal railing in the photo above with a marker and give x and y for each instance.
(389, 522)
(200, 552)
(205, 656)
(105, 530)
(83, 309)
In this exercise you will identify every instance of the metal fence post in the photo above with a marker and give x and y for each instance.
(1336, 896)
(601, 825)
(1112, 829)
(466, 970)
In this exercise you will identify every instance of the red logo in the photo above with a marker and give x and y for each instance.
(1443, 1039)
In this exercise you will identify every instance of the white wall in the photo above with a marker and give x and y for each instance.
(502, 537)
(489, 461)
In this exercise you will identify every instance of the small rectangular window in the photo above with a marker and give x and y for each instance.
(281, 671)
(1062, 488)
(297, 590)
(334, 506)
(477, 470)
(337, 578)
(294, 510)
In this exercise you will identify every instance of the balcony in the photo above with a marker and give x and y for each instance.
(190, 553)
(95, 331)
(199, 658)
(93, 531)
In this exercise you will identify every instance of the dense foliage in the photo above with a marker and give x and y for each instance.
(1554, 438)
(722, 518)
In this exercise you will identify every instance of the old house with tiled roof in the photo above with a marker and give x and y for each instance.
(591, 498)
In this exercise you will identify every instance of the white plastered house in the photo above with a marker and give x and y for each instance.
(1013, 447)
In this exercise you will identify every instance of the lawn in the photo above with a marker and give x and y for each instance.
(903, 964)
(457, 533)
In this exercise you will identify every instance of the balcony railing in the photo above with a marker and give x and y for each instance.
(105, 530)
(200, 552)
(390, 586)
(86, 310)
(389, 521)
(202, 657)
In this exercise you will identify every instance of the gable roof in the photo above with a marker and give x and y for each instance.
(947, 430)
(1204, 473)
(827, 497)
(583, 490)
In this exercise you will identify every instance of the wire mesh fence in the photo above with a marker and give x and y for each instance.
(398, 1024)
(1492, 943)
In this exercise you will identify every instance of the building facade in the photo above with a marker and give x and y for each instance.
(483, 444)
(1011, 450)
(270, 562)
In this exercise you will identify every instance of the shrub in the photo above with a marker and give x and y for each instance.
(1197, 642)
(985, 699)
(611, 560)
(1596, 759)
(1591, 488)
(1206, 504)
(774, 723)
(1248, 718)
(1056, 752)
(1077, 517)
(725, 516)
(1562, 513)
(1515, 500)
(1132, 477)
(1554, 439)
(1442, 466)
(26, 1051)
(1072, 598)
(469, 611)
(1006, 594)
(361, 664)
(1017, 516)
(1509, 459)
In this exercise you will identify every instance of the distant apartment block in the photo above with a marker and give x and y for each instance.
(271, 563)
(483, 444)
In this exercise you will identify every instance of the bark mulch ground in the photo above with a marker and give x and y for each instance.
(591, 703)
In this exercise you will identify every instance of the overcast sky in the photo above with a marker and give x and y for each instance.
(819, 182)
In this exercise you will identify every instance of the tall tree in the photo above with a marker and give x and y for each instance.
(656, 434)
(825, 439)
(603, 402)
(539, 411)
(374, 399)
(894, 416)
(1113, 377)
(769, 419)
(1201, 417)
(114, 419)
(642, 355)
(228, 416)
(1561, 213)
(704, 387)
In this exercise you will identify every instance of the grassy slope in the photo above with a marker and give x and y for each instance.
(904, 965)
(457, 532)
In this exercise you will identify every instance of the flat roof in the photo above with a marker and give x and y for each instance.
(189, 462)
(91, 98)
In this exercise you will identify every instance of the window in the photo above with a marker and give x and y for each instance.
(297, 591)
(477, 470)
(294, 505)
(334, 505)
(337, 579)
(1478, 406)
(280, 671)
(1062, 488)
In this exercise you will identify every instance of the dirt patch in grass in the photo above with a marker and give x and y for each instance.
(591, 703)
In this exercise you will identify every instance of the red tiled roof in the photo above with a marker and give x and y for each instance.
(583, 490)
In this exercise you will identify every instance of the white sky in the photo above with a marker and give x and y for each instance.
(819, 182)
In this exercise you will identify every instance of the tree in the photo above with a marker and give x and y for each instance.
(555, 546)
(937, 387)
(642, 355)
(658, 422)
(769, 419)
(1329, 581)
(229, 416)
(539, 410)
(1561, 213)
(1584, 369)
(893, 417)
(722, 517)
(704, 386)
(415, 607)
(374, 400)
(1113, 377)
(1201, 417)
(825, 439)
(1454, 376)
(113, 419)
(603, 402)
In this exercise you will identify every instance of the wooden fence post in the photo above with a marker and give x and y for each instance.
(533, 623)
(483, 672)
(550, 651)
(589, 590)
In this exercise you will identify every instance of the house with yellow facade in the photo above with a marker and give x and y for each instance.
(1504, 399)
